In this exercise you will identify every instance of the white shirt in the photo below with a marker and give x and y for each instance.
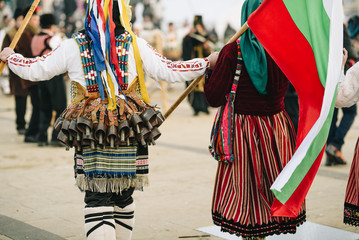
(348, 89)
(66, 58)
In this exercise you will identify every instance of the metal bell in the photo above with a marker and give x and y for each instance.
(124, 130)
(112, 135)
(58, 123)
(100, 133)
(84, 125)
(149, 117)
(136, 123)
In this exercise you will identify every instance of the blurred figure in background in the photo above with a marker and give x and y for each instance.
(30, 31)
(353, 26)
(197, 45)
(16, 87)
(52, 93)
(338, 132)
(5, 25)
(172, 49)
(158, 14)
(228, 33)
(148, 10)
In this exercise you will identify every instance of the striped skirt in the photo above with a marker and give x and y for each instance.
(351, 205)
(242, 198)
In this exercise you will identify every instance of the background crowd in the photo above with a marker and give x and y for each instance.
(175, 40)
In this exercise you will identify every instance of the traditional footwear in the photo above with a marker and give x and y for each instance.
(99, 223)
(333, 152)
(125, 220)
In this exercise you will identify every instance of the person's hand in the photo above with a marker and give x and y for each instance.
(345, 57)
(212, 59)
(5, 53)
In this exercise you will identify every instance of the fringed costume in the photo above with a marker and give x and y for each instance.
(109, 122)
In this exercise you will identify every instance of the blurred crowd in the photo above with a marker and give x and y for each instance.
(176, 41)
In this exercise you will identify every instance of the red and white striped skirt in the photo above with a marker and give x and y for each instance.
(242, 198)
(351, 205)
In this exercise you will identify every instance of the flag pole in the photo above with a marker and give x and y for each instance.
(21, 29)
(197, 80)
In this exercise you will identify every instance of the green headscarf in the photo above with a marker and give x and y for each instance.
(252, 50)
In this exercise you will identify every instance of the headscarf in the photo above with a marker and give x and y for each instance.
(100, 27)
(353, 26)
(254, 56)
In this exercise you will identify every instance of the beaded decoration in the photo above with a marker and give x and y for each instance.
(92, 77)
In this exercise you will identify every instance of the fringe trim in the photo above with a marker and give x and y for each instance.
(116, 185)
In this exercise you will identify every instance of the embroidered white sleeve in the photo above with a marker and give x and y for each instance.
(161, 69)
(348, 90)
(62, 59)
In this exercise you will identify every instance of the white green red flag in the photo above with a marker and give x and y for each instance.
(305, 38)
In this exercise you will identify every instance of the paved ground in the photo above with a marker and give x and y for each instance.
(38, 199)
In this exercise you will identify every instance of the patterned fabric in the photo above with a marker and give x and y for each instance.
(111, 170)
(221, 146)
(19, 60)
(178, 66)
(92, 77)
(351, 205)
(110, 163)
(242, 197)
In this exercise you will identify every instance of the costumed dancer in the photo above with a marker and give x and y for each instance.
(264, 138)
(109, 121)
(194, 45)
(348, 95)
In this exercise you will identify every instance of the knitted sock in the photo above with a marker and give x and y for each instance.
(125, 220)
(99, 223)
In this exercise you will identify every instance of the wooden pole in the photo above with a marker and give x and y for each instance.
(197, 80)
(184, 95)
(239, 33)
(21, 29)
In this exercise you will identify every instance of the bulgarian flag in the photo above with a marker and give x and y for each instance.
(305, 39)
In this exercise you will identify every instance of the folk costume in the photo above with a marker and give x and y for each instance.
(348, 95)
(193, 46)
(109, 121)
(18, 86)
(52, 93)
(264, 139)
